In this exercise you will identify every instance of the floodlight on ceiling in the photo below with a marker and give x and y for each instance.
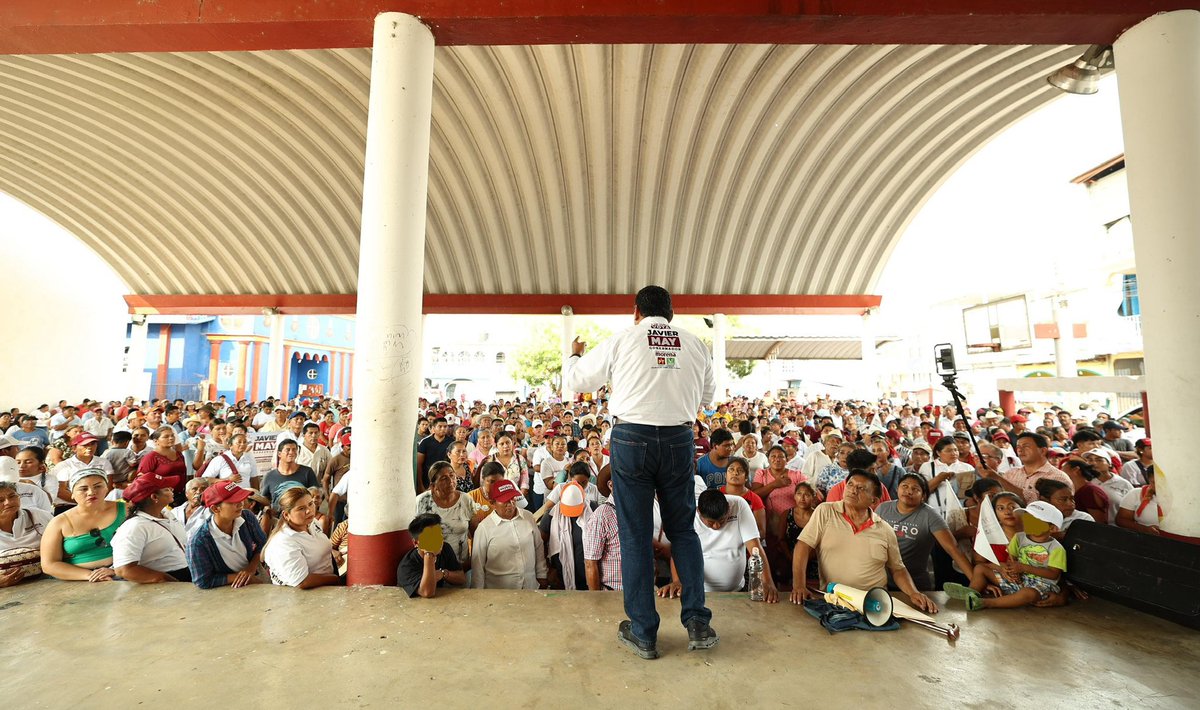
(1082, 76)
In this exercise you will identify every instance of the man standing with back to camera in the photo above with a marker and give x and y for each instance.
(660, 376)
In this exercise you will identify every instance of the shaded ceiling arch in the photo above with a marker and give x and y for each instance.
(589, 169)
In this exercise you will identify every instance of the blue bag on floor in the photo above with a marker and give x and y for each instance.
(835, 618)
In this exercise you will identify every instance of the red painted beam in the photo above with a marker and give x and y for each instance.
(70, 26)
(527, 304)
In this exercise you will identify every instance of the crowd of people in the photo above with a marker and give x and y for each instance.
(862, 493)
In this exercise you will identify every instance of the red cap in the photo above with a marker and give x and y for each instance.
(146, 484)
(504, 491)
(1145, 442)
(928, 408)
(1000, 435)
(1017, 418)
(789, 440)
(345, 440)
(83, 440)
(225, 492)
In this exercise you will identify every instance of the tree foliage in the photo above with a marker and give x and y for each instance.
(539, 361)
(740, 368)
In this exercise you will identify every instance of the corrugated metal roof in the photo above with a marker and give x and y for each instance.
(763, 347)
(743, 169)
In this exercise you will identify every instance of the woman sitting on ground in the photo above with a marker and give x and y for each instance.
(1140, 510)
(148, 547)
(789, 527)
(298, 553)
(918, 528)
(19, 528)
(452, 506)
(227, 547)
(77, 545)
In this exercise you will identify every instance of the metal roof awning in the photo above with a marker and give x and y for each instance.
(762, 347)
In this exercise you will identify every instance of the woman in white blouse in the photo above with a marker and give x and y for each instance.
(149, 547)
(298, 553)
(236, 464)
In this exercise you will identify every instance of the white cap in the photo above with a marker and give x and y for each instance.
(1044, 512)
(8, 470)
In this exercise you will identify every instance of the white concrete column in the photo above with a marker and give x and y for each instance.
(275, 360)
(870, 372)
(720, 373)
(1064, 345)
(1158, 70)
(391, 277)
(568, 335)
(136, 381)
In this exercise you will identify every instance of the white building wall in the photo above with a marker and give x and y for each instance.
(65, 335)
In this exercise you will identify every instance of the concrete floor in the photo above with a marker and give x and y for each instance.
(118, 645)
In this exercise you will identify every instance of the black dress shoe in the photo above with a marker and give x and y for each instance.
(648, 651)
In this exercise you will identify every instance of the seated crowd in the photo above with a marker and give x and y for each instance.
(861, 494)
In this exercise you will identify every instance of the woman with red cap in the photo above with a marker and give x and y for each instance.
(148, 547)
(227, 548)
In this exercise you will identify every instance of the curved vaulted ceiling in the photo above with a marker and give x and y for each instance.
(587, 169)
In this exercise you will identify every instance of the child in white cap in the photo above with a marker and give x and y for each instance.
(1035, 565)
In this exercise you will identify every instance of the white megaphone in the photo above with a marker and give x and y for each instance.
(875, 604)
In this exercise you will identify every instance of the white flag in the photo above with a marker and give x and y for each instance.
(990, 541)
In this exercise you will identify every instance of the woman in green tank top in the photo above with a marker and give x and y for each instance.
(77, 545)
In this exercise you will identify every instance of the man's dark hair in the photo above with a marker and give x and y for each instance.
(1085, 435)
(745, 427)
(1038, 440)
(439, 420)
(860, 458)
(876, 485)
(122, 437)
(654, 301)
(422, 521)
(719, 436)
(712, 505)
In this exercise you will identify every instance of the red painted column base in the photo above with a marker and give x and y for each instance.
(374, 558)
(1008, 403)
(1181, 538)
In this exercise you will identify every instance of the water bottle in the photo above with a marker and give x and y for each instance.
(756, 576)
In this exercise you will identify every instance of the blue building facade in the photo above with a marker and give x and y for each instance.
(205, 357)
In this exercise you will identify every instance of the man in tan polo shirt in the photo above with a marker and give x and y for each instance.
(855, 546)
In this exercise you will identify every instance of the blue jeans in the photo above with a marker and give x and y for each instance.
(648, 460)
